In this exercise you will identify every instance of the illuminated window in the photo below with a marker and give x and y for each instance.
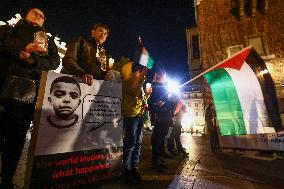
(257, 44)
(233, 50)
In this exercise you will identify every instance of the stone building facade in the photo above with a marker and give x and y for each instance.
(194, 68)
(227, 26)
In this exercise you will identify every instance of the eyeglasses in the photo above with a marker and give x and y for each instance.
(37, 14)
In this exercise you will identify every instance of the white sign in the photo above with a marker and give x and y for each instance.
(78, 117)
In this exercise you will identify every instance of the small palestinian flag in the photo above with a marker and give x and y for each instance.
(142, 55)
(244, 95)
(178, 107)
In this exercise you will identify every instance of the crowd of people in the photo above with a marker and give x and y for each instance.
(25, 51)
(23, 58)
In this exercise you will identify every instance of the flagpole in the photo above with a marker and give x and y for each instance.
(196, 77)
(213, 67)
(206, 71)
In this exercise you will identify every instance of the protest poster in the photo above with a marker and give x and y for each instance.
(77, 133)
(266, 141)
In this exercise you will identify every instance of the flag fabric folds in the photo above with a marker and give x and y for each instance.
(244, 95)
(143, 57)
(178, 107)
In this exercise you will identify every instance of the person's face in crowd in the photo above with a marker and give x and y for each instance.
(163, 79)
(139, 72)
(35, 17)
(100, 34)
(65, 99)
(212, 107)
(160, 78)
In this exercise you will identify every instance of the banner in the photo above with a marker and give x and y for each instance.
(77, 136)
(269, 141)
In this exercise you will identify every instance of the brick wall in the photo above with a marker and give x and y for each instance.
(219, 29)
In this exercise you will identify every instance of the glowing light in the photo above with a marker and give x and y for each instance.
(111, 62)
(13, 21)
(187, 119)
(172, 86)
(2, 23)
(148, 86)
(264, 72)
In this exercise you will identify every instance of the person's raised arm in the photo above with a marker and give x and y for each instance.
(133, 83)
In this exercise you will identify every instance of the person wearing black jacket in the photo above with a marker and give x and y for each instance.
(85, 56)
(161, 110)
(210, 118)
(25, 51)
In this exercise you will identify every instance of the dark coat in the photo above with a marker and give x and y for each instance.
(80, 59)
(4, 30)
(160, 93)
(15, 39)
(210, 118)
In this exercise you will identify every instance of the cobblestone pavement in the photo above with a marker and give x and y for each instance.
(202, 169)
(227, 169)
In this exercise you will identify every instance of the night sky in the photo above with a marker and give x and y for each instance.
(160, 23)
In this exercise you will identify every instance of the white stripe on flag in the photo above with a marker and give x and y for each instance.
(251, 99)
(144, 59)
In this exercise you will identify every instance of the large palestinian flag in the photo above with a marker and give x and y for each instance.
(244, 95)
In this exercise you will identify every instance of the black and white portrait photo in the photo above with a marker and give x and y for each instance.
(78, 117)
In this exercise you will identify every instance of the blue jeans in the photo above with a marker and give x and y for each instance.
(133, 134)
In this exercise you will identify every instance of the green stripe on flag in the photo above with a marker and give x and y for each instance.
(150, 62)
(146, 60)
(226, 101)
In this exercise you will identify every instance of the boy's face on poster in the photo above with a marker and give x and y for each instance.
(65, 99)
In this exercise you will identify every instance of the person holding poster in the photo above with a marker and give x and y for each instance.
(133, 107)
(86, 57)
(26, 50)
(161, 110)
